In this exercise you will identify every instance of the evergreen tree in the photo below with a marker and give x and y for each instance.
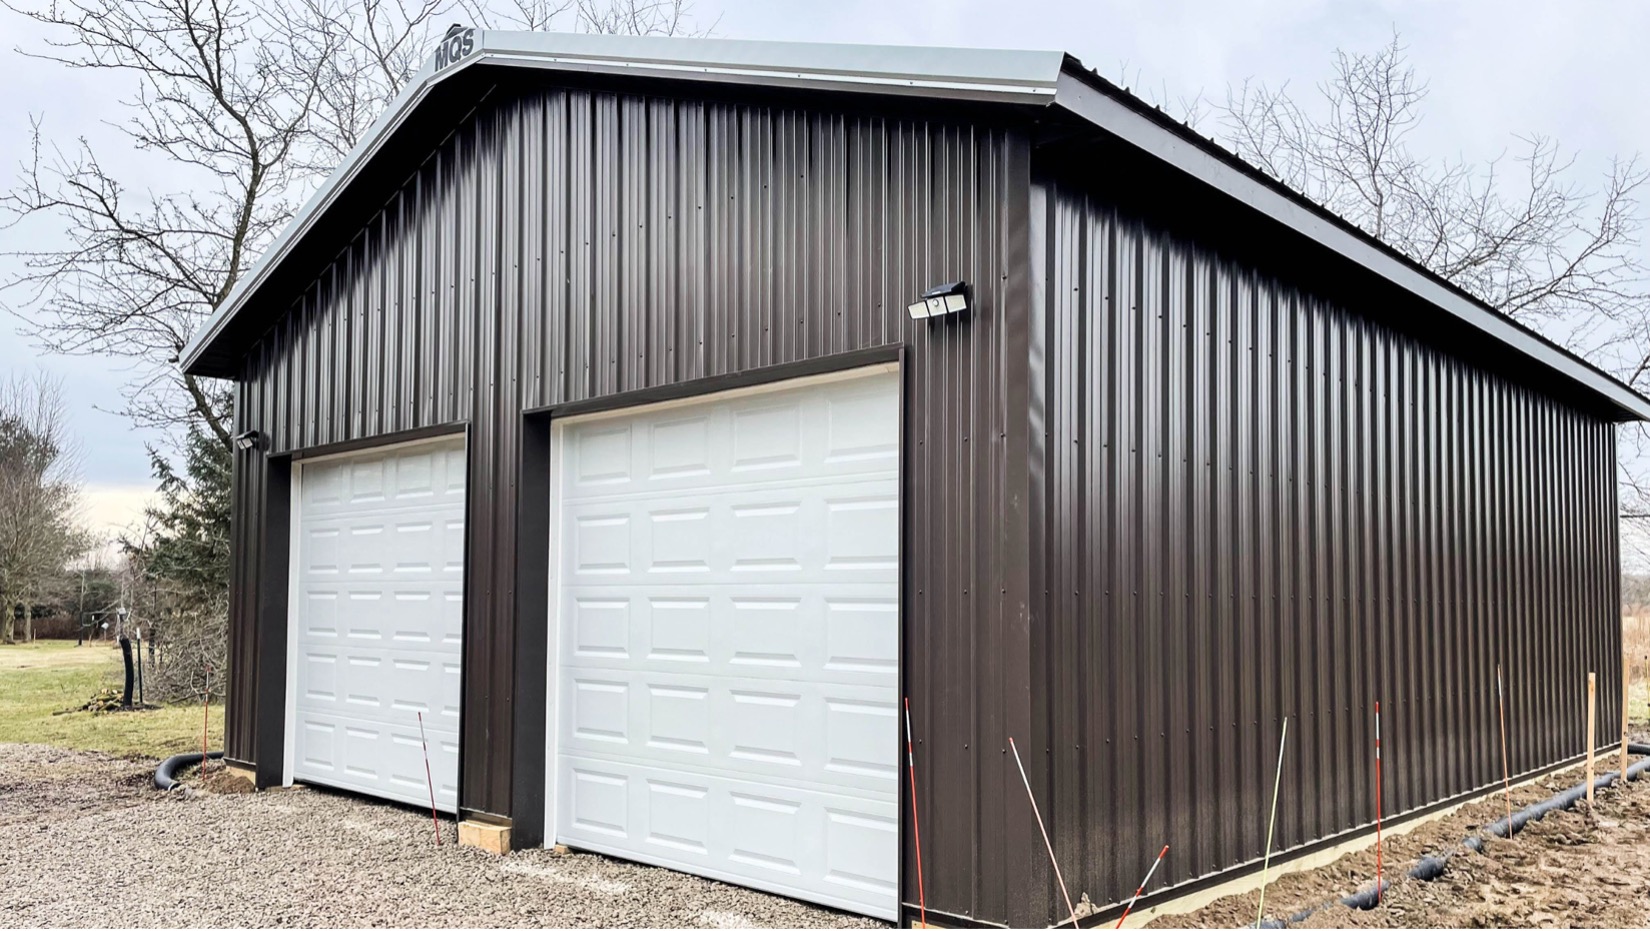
(179, 568)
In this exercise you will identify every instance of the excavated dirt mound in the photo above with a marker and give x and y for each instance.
(220, 781)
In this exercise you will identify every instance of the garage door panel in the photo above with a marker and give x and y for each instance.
(383, 546)
(862, 427)
(797, 731)
(769, 490)
(379, 622)
(813, 531)
(418, 616)
(387, 481)
(862, 530)
(820, 846)
(845, 633)
(829, 430)
(385, 761)
(372, 680)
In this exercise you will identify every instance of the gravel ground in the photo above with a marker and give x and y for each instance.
(89, 844)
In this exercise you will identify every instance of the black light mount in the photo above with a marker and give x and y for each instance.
(251, 439)
(941, 300)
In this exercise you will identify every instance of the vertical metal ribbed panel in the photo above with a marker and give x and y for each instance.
(246, 485)
(565, 245)
(1263, 503)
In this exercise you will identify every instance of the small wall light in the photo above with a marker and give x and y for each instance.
(251, 439)
(941, 299)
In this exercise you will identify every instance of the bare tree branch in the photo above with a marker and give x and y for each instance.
(253, 105)
(142, 269)
(1539, 246)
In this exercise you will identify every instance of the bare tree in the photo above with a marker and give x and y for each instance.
(230, 116)
(247, 107)
(185, 625)
(365, 52)
(630, 17)
(369, 49)
(1522, 235)
(39, 497)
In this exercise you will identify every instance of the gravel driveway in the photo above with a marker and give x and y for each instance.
(89, 843)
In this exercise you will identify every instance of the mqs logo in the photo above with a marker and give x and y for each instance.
(458, 43)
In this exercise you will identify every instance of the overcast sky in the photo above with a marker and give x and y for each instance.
(1576, 71)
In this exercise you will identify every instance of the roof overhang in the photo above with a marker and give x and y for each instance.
(1038, 79)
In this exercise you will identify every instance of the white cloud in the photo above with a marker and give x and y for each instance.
(110, 510)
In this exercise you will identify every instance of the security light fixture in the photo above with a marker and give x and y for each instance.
(251, 439)
(941, 299)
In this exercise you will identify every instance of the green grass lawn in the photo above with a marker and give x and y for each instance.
(48, 676)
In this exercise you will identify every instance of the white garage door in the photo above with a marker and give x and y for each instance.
(727, 603)
(377, 621)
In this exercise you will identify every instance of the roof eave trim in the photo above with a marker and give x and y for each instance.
(1078, 94)
(812, 80)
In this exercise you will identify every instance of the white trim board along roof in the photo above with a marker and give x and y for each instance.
(1027, 78)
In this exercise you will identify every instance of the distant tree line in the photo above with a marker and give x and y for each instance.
(40, 533)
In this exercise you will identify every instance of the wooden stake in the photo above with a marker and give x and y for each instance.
(1266, 861)
(1506, 781)
(1592, 738)
(1046, 842)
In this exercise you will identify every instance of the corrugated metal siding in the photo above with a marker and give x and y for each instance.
(1261, 504)
(246, 485)
(567, 245)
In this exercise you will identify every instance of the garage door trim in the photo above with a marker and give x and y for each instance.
(442, 436)
(711, 390)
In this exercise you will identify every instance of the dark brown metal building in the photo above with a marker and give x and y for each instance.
(586, 419)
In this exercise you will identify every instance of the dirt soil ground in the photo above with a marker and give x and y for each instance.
(1572, 869)
(90, 843)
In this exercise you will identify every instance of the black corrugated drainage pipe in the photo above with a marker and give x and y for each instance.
(166, 772)
(1430, 868)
